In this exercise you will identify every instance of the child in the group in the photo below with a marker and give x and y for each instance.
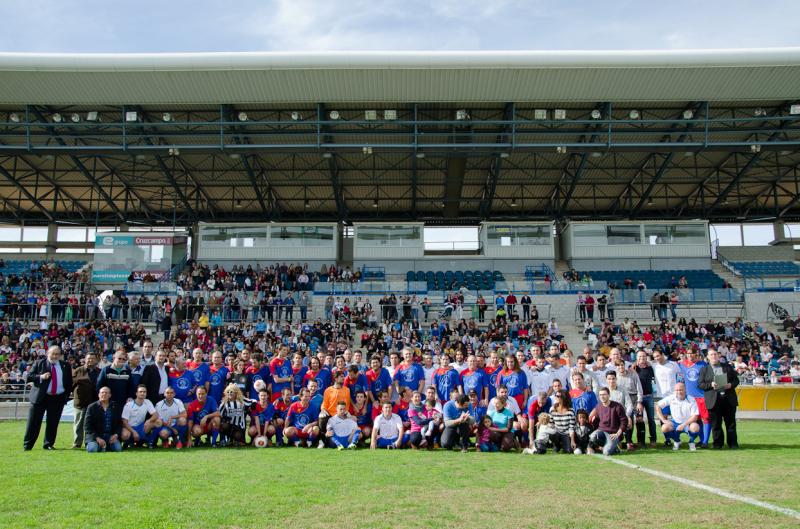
(484, 435)
(432, 426)
(544, 429)
(582, 431)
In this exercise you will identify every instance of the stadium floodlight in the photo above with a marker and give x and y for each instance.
(76, 118)
(296, 116)
(390, 115)
(334, 115)
(596, 114)
(375, 203)
(794, 110)
(513, 202)
(759, 112)
(633, 114)
(306, 204)
(242, 116)
(131, 116)
(560, 114)
(366, 150)
(57, 118)
(755, 148)
(370, 115)
(540, 113)
(92, 116)
(166, 116)
(174, 151)
(327, 155)
(14, 117)
(504, 155)
(462, 114)
(420, 155)
(688, 114)
(597, 154)
(561, 149)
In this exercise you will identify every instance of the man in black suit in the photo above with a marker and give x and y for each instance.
(155, 377)
(720, 401)
(52, 384)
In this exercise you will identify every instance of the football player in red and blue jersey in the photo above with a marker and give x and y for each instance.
(301, 420)
(199, 368)
(445, 379)
(203, 417)
(281, 370)
(355, 382)
(690, 369)
(182, 381)
(378, 378)
(218, 377)
(262, 415)
(475, 379)
(409, 374)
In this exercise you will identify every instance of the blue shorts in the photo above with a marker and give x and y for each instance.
(675, 425)
(139, 429)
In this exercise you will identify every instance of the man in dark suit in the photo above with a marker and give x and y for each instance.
(720, 401)
(52, 384)
(155, 377)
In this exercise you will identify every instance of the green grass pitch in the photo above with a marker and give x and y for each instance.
(303, 488)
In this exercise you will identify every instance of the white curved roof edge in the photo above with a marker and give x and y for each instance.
(77, 62)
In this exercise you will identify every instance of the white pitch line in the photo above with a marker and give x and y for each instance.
(719, 492)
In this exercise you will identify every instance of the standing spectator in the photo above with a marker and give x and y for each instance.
(602, 301)
(581, 303)
(52, 383)
(526, 307)
(84, 386)
(511, 303)
(721, 400)
(589, 307)
(673, 304)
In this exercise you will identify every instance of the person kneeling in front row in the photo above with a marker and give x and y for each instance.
(102, 424)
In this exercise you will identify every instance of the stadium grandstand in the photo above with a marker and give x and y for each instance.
(158, 194)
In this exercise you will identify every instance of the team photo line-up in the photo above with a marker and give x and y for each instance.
(533, 400)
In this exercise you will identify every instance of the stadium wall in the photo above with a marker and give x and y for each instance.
(756, 253)
(618, 262)
(757, 304)
(433, 264)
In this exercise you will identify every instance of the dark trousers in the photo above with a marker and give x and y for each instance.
(53, 406)
(723, 411)
(526, 312)
(561, 441)
(456, 435)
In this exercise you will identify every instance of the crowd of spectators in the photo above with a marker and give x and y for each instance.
(202, 277)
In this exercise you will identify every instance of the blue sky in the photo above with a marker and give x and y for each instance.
(287, 25)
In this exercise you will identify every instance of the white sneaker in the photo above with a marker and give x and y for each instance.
(339, 448)
(577, 451)
(676, 445)
(692, 447)
(351, 446)
(297, 443)
(528, 451)
(321, 444)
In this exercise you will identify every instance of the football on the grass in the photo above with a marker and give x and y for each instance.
(260, 442)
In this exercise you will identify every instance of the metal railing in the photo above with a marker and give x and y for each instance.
(14, 401)
(645, 312)
(771, 285)
(685, 295)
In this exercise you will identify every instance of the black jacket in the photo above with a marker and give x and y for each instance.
(39, 390)
(151, 378)
(711, 395)
(93, 422)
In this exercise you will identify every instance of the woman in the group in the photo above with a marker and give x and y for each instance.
(501, 434)
(563, 420)
(233, 414)
(420, 419)
(515, 380)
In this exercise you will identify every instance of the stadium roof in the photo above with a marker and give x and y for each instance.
(336, 77)
(438, 137)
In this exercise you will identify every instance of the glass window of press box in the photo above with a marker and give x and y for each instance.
(302, 236)
(518, 235)
(606, 234)
(234, 237)
(657, 234)
(383, 236)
